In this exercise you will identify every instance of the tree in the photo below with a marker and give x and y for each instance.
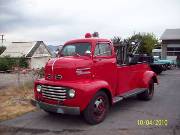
(148, 42)
(2, 49)
(116, 40)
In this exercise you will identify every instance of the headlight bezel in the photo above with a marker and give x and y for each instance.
(71, 93)
(38, 88)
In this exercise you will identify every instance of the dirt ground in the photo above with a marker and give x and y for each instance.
(15, 101)
(15, 94)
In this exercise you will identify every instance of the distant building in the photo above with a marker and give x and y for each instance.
(37, 53)
(170, 44)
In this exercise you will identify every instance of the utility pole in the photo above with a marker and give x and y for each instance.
(2, 38)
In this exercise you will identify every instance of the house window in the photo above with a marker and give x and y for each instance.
(177, 49)
(177, 53)
(173, 51)
(170, 49)
(170, 53)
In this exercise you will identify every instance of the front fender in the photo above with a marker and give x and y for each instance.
(147, 76)
(85, 90)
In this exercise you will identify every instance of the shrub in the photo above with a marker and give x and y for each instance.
(7, 63)
(2, 49)
(22, 62)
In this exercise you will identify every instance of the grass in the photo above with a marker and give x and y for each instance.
(15, 101)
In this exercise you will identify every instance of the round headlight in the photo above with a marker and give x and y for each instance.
(71, 93)
(38, 88)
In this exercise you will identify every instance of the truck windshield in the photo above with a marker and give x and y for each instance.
(76, 49)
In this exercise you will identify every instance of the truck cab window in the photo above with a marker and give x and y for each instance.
(80, 49)
(103, 49)
(69, 50)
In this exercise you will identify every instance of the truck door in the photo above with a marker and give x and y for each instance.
(125, 79)
(128, 78)
(105, 64)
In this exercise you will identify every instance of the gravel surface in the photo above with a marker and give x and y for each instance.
(11, 79)
(122, 118)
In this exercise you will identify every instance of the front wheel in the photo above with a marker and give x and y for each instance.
(97, 109)
(148, 94)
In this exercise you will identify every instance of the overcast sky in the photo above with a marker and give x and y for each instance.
(56, 21)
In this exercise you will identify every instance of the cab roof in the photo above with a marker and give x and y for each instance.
(88, 40)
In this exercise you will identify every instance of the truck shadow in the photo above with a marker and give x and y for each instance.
(75, 122)
(126, 104)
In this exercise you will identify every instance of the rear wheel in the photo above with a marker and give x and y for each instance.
(148, 94)
(97, 109)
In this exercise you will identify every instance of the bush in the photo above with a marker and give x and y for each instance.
(7, 63)
(3, 65)
(2, 49)
(22, 61)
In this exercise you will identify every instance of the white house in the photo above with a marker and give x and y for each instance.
(36, 52)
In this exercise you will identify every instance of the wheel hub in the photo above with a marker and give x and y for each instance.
(99, 106)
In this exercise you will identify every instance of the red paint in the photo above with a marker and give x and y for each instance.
(88, 35)
(105, 74)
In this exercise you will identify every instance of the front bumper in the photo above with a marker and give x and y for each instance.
(56, 108)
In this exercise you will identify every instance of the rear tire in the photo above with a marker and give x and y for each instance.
(148, 94)
(97, 109)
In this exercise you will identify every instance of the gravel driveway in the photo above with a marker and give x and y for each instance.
(11, 79)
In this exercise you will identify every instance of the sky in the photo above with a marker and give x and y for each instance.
(56, 21)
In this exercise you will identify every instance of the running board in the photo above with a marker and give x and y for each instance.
(133, 92)
(128, 94)
(117, 99)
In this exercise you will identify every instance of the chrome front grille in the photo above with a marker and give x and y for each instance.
(54, 92)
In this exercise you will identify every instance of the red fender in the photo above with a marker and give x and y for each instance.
(147, 76)
(85, 91)
(91, 89)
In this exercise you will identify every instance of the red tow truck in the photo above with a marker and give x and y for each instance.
(87, 79)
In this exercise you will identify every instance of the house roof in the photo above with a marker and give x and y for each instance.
(19, 49)
(171, 34)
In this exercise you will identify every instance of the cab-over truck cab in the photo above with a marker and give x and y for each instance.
(86, 79)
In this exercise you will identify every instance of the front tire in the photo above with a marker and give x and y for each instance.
(148, 94)
(97, 109)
